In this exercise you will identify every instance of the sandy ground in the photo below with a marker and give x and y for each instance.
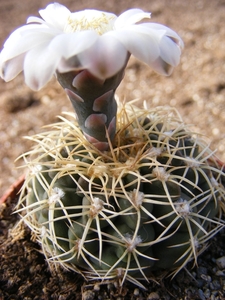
(196, 88)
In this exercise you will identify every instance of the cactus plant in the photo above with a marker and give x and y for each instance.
(112, 195)
(151, 202)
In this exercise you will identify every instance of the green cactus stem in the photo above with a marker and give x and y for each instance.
(149, 204)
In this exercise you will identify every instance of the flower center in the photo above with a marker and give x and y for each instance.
(90, 20)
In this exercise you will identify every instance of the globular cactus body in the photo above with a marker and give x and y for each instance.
(149, 203)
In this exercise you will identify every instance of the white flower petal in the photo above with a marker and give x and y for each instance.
(39, 23)
(39, 65)
(169, 51)
(56, 15)
(168, 32)
(151, 45)
(10, 69)
(16, 35)
(24, 41)
(70, 64)
(144, 47)
(105, 58)
(131, 17)
(33, 19)
(68, 45)
(161, 67)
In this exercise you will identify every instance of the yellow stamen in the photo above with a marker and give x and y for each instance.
(88, 20)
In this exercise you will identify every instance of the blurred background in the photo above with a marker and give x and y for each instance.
(196, 88)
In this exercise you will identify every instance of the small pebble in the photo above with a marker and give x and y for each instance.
(136, 292)
(200, 283)
(216, 285)
(215, 293)
(153, 296)
(201, 295)
(202, 271)
(220, 273)
(207, 294)
(96, 287)
(221, 262)
(207, 278)
(88, 295)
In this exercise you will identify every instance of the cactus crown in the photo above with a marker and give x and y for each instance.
(149, 203)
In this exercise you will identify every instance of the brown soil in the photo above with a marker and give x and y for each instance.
(196, 89)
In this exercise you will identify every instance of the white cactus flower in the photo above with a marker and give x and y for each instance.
(94, 40)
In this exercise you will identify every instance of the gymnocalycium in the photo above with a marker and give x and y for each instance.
(115, 192)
